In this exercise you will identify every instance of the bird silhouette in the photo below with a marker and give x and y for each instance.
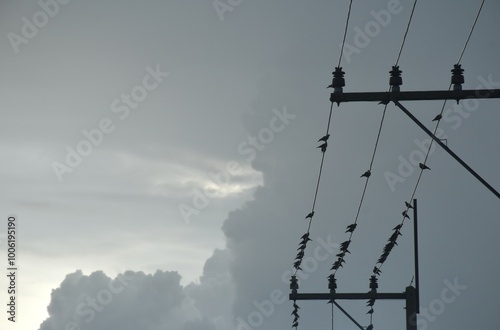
(310, 215)
(376, 270)
(294, 313)
(302, 245)
(366, 174)
(300, 255)
(323, 146)
(296, 306)
(405, 215)
(388, 247)
(423, 166)
(370, 327)
(305, 237)
(304, 241)
(394, 237)
(351, 228)
(345, 245)
(398, 227)
(385, 254)
(336, 265)
(437, 118)
(408, 205)
(370, 311)
(324, 138)
(295, 324)
(382, 259)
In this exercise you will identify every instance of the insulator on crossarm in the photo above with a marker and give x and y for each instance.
(294, 285)
(395, 80)
(373, 283)
(457, 77)
(338, 80)
(332, 283)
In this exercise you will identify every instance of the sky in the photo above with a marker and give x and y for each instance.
(159, 159)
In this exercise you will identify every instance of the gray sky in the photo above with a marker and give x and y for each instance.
(161, 156)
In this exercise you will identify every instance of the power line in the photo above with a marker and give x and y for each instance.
(377, 270)
(344, 246)
(345, 32)
(305, 238)
(470, 33)
(406, 32)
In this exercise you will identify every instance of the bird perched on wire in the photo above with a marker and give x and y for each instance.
(423, 166)
(310, 215)
(366, 174)
(351, 228)
(394, 236)
(337, 264)
(323, 146)
(408, 205)
(405, 215)
(324, 138)
(345, 245)
(341, 254)
(398, 227)
(305, 238)
(377, 271)
(437, 118)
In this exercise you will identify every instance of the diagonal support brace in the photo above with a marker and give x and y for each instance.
(349, 316)
(448, 150)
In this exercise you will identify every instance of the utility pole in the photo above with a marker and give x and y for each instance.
(410, 295)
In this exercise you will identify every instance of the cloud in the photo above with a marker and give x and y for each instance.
(135, 300)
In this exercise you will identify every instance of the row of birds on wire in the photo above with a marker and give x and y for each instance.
(344, 246)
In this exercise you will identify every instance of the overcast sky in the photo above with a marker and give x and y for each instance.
(160, 157)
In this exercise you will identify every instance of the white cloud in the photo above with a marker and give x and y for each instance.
(135, 300)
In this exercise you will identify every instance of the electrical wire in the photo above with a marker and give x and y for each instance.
(305, 237)
(406, 32)
(338, 264)
(345, 32)
(377, 270)
(471, 30)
